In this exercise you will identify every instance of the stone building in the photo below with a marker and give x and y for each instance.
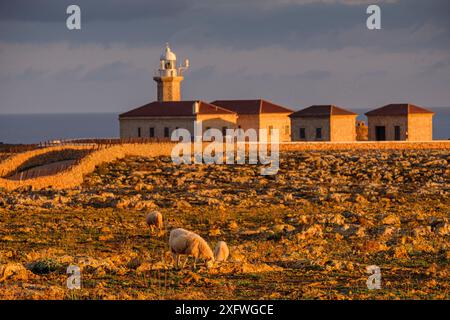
(160, 118)
(400, 122)
(362, 131)
(323, 123)
(260, 114)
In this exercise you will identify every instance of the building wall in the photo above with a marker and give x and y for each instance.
(248, 121)
(389, 122)
(129, 126)
(420, 127)
(310, 124)
(280, 121)
(218, 121)
(343, 128)
(168, 88)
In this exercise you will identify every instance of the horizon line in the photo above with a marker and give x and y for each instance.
(118, 112)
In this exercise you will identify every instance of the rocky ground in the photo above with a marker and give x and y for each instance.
(4, 156)
(308, 232)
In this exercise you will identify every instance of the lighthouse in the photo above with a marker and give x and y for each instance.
(169, 76)
(159, 119)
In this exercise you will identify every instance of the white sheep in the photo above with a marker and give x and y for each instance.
(184, 242)
(221, 251)
(155, 220)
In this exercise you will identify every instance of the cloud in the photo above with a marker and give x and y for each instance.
(272, 3)
(115, 71)
(374, 74)
(116, 78)
(442, 66)
(331, 24)
(295, 52)
(315, 75)
(116, 10)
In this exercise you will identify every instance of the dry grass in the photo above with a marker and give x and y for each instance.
(307, 233)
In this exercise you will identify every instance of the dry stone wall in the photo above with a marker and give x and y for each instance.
(73, 176)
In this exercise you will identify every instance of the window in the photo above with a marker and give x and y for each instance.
(302, 133)
(166, 132)
(152, 132)
(287, 130)
(318, 133)
(397, 132)
(139, 132)
(224, 131)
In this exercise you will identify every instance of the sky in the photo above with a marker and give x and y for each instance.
(294, 52)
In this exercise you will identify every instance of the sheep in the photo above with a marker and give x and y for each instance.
(155, 220)
(184, 242)
(221, 251)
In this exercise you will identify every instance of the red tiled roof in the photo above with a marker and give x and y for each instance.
(173, 109)
(251, 106)
(321, 111)
(399, 109)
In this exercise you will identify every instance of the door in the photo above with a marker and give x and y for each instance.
(380, 133)
(397, 133)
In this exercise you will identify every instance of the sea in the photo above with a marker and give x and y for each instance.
(35, 128)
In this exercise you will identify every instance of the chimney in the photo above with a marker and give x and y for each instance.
(196, 108)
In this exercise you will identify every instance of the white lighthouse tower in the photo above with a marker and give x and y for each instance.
(169, 76)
